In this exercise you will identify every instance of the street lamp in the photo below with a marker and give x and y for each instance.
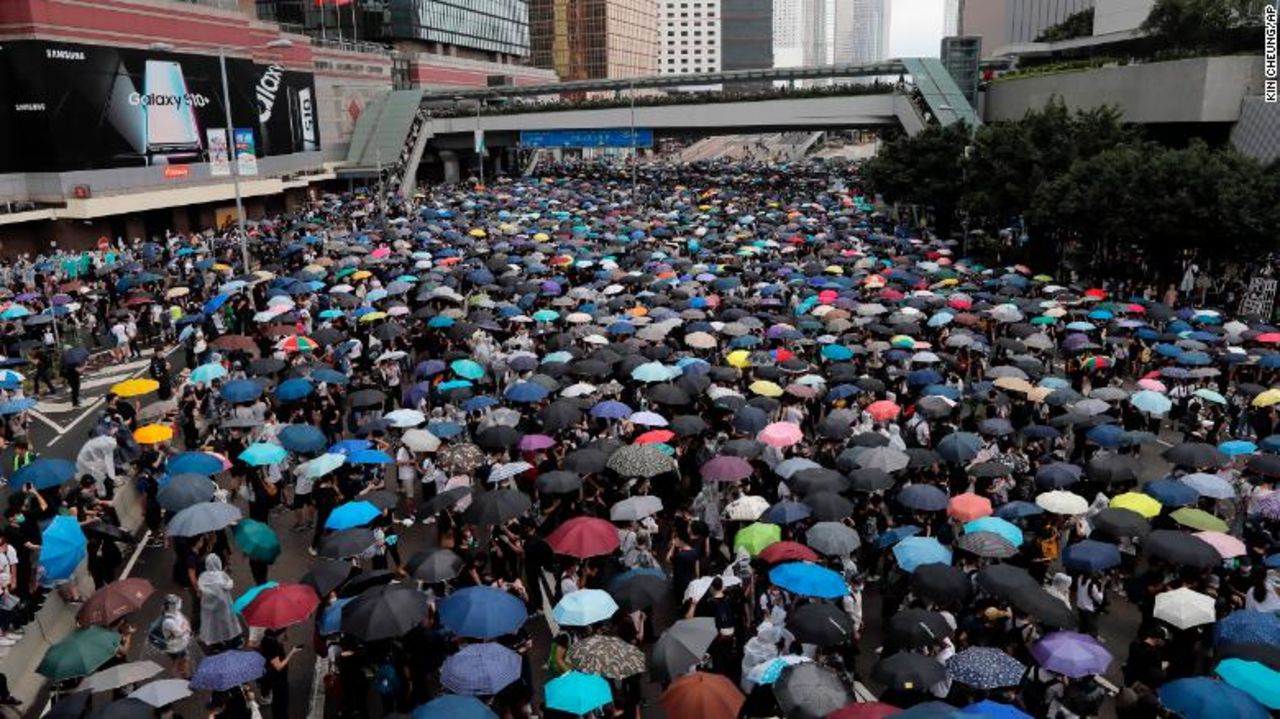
(226, 109)
(634, 157)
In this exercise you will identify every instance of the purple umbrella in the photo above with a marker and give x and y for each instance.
(480, 669)
(228, 670)
(726, 468)
(534, 442)
(1269, 506)
(1071, 654)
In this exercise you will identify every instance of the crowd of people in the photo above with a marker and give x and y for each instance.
(736, 446)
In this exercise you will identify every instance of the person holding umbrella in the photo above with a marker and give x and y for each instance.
(274, 684)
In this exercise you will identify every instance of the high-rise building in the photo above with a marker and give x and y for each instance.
(746, 34)
(595, 39)
(1005, 22)
(690, 34)
(860, 31)
(951, 17)
(800, 33)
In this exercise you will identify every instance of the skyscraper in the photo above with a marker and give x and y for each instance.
(595, 39)
(860, 31)
(690, 34)
(746, 34)
(800, 33)
(950, 17)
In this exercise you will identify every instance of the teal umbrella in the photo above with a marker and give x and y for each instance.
(996, 525)
(467, 369)
(257, 540)
(260, 454)
(577, 693)
(1253, 678)
(251, 594)
(80, 654)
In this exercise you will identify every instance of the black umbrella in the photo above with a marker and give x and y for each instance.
(869, 479)
(681, 646)
(908, 671)
(124, 709)
(987, 544)
(1181, 548)
(668, 394)
(818, 479)
(915, 628)
(346, 543)
(497, 507)
(586, 461)
(367, 398)
(559, 482)
(266, 366)
(825, 625)
(687, 425)
(810, 691)
(1113, 468)
(942, 584)
(1120, 523)
(328, 336)
(741, 447)
(1196, 455)
(436, 565)
(109, 532)
(327, 575)
(639, 591)
(443, 500)
(560, 415)
(75, 357)
(1264, 464)
(498, 437)
(1003, 580)
(384, 612)
(828, 506)
(1043, 607)
(360, 581)
(185, 490)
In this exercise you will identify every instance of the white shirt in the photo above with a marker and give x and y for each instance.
(405, 468)
(8, 558)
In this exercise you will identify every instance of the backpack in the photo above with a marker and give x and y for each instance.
(155, 634)
(386, 682)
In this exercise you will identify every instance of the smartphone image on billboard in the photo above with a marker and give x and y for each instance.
(173, 134)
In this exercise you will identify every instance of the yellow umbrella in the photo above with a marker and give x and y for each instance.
(373, 317)
(153, 433)
(1268, 398)
(177, 292)
(1014, 384)
(739, 358)
(1038, 394)
(477, 232)
(541, 237)
(361, 275)
(135, 387)
(1143, 504)
(766, 388)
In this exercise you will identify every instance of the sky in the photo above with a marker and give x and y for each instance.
(915, 28)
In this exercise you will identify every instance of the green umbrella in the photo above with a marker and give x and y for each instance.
(755, 537)
(79, 654)
(256, 540)
(1198, 519)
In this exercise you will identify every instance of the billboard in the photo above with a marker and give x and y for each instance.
(615, 137)
(66, 107)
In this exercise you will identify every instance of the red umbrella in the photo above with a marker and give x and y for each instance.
(655, 436)
(114, 601)
(865, 710)
(788, 552)
(281, 606)
(883, 410)
(584, 537)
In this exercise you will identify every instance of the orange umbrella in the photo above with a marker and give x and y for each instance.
(883, 410)
(702, 695)
(968, 507)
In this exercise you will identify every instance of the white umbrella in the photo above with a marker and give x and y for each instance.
(1184, 608)
(120, 675)
(162, 692)
(698, 587)
(404, 418)
(635, 508)
(508, 470)
(579, 389)
(746, 509)
(1062, 502)
(420, 440)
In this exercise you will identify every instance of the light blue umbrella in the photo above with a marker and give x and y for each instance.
(546, 316)
(206, 373)
(62, 548)
(577, 693)
(810, 580)
(1211, 396)
(194, 463)
(452, 706)
(324, 464)
(1150, 402)
(996, 525)
(914, 551)
(651, 372)
(584, 607)
(351, 514)
(1209, 485)
(17, 406)
(1205, 698)
(1253, 678)
(260, 454)
(1237, 447)
(249, 595)
(467, 369)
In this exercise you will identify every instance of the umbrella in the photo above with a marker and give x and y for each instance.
(120, 675)
(326, 575)
(1060, 502)
(941, 583)
(1198, 519)
(985, 668)
(726, 468)
(261, 454)
(115, 600)
(832, 539)
(810, 580)
(640, 460)
(385, 612)
(824, 625)
(497, 507)
(746, 508)
(912, 552)
(1006, 529)
(347, 543)
(607, 656)
(194, 463)
(1197, 455)
(788, 552)
(1071, 654)
(162, 692)
(1091, 556)
(584, 537)
(865, 710)
(923, 498)
(201, 519)
(480, 669)
(908, 671)
(134, 387)
(810, 691)
(184, 490)
(452, 706)
(301, 438)
(639, 588)
(915, 628)
(1248, 627)
(44, 473)
(1184, 608)
(257, 540)
(1120, 523)
(987, 544)
(123, 709)
(351, 514)
(968, 507)
(584, 608)
(1005, 580)
(62, 548)
(576, 693)
(250, 594)
(228, 670)
(1183, 549)
(281, 606)
(436, 565)
(633, 509)
(681, 646)
(1257, 680)
(703, 695)
(755, 537)
(1206, 698)
(482, 612)
(959, 447)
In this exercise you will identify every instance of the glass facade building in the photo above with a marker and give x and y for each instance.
(500, 26)
(594, 39)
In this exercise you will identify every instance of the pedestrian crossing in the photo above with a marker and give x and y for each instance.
(93, 385)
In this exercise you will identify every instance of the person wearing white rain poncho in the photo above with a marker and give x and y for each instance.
(764, 647)
(97, 459)
(218, 623)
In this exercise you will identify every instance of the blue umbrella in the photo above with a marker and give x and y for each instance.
(480, 669)
(369, 456)
(914, 551)
(348, 446)
(467, 369)
(1151, 402)
(44, 473)
(611, 409)
(1091, 555)
(1253, 678)
(294, 389)
(786, 513)
(301, 438)
(17, 406)
(526, 392)
(194, 463)
(996, 525)
(1018, 509)
(810, 580)
(228, 670)
(329, 376)
(215, 304)
(923, 497)
(987, 709)
(577, 693)
(351, 514)
(1236, 447)
(1170, 492)
(241, 390)
(1105, 435)
(1206, 698)
(584, 607)
(985, 668)
(1248, 627)
(62, 548)
(260, 454)
(959, 447)
(482, 613)
(895, 535)
(249, 595)
(206, 373)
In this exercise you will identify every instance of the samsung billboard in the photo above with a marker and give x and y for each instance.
(67, 107)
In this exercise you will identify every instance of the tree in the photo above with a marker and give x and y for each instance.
(1079, 24)
(924, 170)
(1204, 25)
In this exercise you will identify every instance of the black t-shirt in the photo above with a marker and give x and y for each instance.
(271, 649)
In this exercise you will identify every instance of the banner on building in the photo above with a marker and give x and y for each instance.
(1260, 298)
(246, 155)
(91, 107)
(219, 156)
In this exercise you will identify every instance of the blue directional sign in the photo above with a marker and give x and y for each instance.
(609, 137)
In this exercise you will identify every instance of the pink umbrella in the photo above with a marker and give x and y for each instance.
(883, 410)
(968, 507)
(1153, 385)
(780, 434)
(1226, 545)
(381, 252)
(535, 442)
